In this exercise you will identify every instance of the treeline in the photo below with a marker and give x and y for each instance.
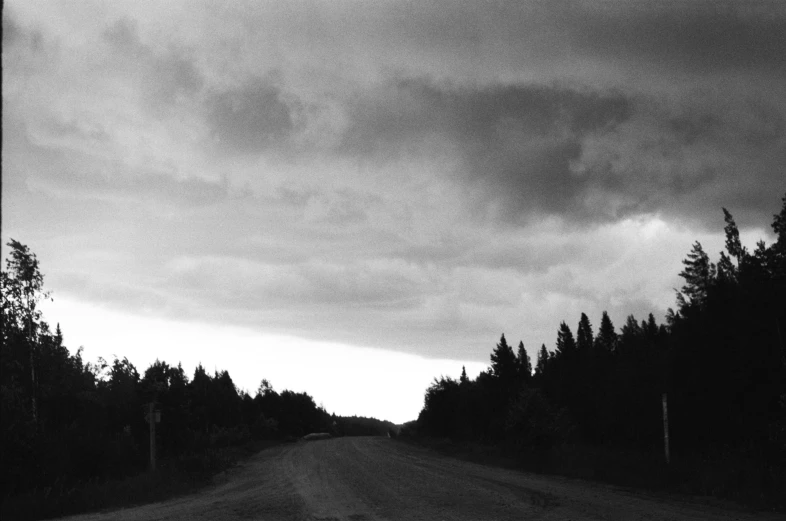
(363, 426)
(66, 421)
(720, 358)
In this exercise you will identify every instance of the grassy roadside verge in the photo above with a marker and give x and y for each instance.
(728, 481)
(172, 478)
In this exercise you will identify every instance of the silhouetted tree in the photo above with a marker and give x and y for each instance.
(631, 333)
(503, 361)
(22, 291)
(523, 363)
(606, 340)
(698, 273)
(540, 367)
(584, 335)
(566, 345)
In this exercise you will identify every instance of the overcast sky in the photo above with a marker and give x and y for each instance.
(380, 188)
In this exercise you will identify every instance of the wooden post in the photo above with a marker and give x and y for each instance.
(151, 418)
(666, 428)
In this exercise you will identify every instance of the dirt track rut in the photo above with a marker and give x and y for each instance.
(366, 479)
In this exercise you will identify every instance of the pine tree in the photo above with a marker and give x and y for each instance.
(733, 244)
(727, 271)
(777, 257)
(699, 274)
(584, 334)
(779, 227)
(463, 380)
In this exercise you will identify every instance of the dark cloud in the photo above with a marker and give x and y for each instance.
(698, 36)
(701, 37)
(415, 108)
(11, 32)
(164, 73)
(250, 119)
(175, 74)
(583, 155)
(688, 158)
(124, 36)
(15, 35)
(517, 143)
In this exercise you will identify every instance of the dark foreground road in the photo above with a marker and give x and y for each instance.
(377, 478)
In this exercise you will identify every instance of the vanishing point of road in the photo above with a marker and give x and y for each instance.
(374, 478)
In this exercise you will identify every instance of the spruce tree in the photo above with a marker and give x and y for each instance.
(524, 363)
(584, 334)
(566, 344)
(503, 361)
(606, 341)
(58, 336)
(543, 360)
(650, 327)
(631, 331)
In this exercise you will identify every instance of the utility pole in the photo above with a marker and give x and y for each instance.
(666, 428)
(152, 418)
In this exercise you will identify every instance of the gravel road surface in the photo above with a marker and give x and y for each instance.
(360, 479)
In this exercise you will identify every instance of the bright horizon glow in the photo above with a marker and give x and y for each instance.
(345, 380)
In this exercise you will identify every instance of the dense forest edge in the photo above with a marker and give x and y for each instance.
(593, 407)
(75, 436)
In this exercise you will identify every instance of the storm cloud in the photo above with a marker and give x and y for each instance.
(582, 155)
(249, 119)
(414, 176)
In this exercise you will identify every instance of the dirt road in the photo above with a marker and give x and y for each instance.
(377, 478)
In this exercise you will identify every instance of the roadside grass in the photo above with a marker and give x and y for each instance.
(172, 477)
(740, 481)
